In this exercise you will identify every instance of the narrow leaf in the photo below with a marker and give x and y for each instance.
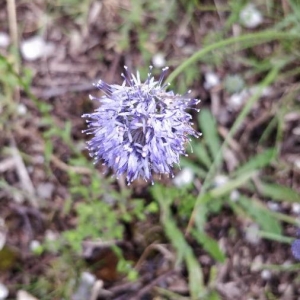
(202, 155)
(178, 241)
(231, 185)
(208, 126)
(279, 192)
(260, 214)
(257, 162)
(210, 245)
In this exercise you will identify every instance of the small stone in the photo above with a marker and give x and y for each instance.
(297, 163)
(184, 177)
(274, 206)
(282, 287)
(296, 208)
(158, 60)
(234, 195)
(35, 48)
(296, 131)
(266, 274)
(288, 293)
(21, 109)
(257, 263)
(23, 295)
(84, 289)
(252, 234)
(3, 291)
(3, 232)
(211, 80)
(50, 235)
(4, 40)
(45, 190)
(220, 180)
(237, 100)
(250, 16)
(36, 247)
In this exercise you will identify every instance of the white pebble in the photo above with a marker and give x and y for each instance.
(35, 48)
(234, 196)
(21, 109)
(45, 190)
(211, 80)
(273, 206)
(266, 274)
(84, 289)
(250, 16)
(257, 263)
(3, 291)
(220, 180)
(23, 295)
(88, 278)
(296, 131)
(252, 234)
(184, 177)
(3, 232)
(50, 235)
(158, 60)
(296, 208)
(34, 245)
(4, 40)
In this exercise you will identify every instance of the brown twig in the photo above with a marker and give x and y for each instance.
(12, 22)
(13, 29)
(154, 282)
(75, 169)
(158, 247)
(23, 175)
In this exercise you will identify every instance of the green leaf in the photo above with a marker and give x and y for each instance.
(210, 245)
(197, 289)
(275, 237)
(213, 296)
(260, 214)
(279, 192)
(202, 155)
(194, 167)
(178, 241)
(257, 162)
(208, 126)
(231, 185)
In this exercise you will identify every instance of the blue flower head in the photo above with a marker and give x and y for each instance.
(296, 249)
(139, 128)
(296, 246)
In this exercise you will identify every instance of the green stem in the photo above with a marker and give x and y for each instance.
(275, 237)
(255, 38)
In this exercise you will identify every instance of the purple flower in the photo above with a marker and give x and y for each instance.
(296, 249)
(139, 128)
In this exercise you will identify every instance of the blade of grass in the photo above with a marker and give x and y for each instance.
(183, 249)
(203, 199)
(202, 155)
(260, 214)
(279, 192)
(210, 245)
(257, 162)
(275, 237)
(271, 76)
(209, 129)
(255, 38)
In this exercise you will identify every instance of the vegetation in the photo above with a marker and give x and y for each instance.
(245, 166)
